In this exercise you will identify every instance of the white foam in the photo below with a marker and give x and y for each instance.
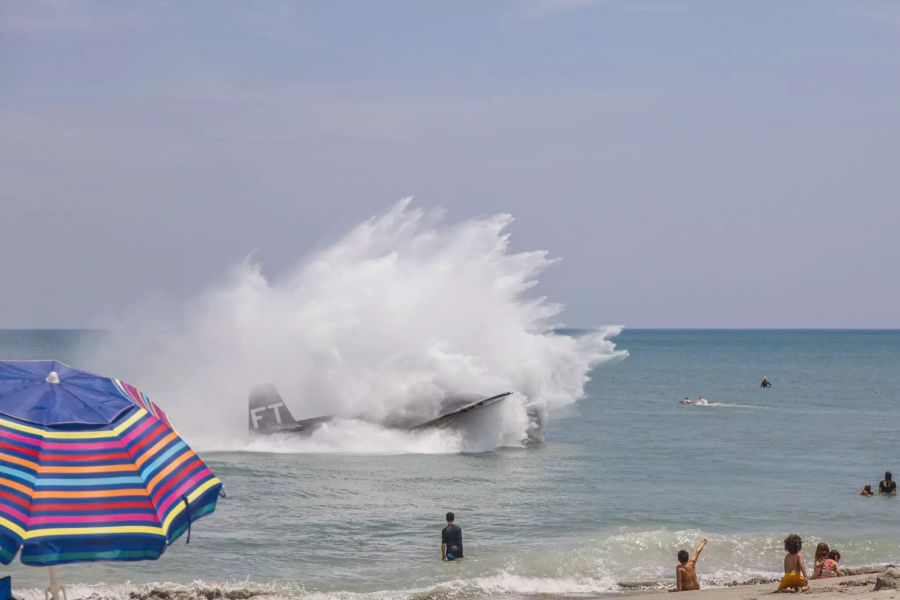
(401, 312)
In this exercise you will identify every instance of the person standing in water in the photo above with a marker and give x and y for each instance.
(765, 383)
(888, 486)
(451, 540)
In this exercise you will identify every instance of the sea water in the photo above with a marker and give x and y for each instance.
(626, 477)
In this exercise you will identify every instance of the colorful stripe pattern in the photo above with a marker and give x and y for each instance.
(113, 492)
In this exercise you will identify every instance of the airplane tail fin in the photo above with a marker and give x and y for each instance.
(267, 411)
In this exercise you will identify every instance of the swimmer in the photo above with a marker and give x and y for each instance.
(701, 401)
(867, 491)
(451, 540)
(765, 383)
(888, 486)
(687, 400)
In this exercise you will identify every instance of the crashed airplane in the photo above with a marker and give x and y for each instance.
(268, 414)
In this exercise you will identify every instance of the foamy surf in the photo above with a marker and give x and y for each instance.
(613, 563)
(722, 404)
(400, 313)
(346, 436)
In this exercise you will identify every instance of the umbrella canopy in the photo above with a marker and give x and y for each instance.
(91, 469)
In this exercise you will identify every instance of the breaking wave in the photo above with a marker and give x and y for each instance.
(403, 311)
(622, 562)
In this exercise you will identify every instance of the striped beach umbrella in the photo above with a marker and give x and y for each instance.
(91, 469)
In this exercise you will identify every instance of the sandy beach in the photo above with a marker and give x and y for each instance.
(858, 586)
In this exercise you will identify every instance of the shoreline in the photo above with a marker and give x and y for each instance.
(860, 585)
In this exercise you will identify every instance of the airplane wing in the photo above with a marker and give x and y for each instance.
(450, 416)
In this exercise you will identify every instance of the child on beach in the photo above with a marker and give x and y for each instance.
(686, 571)
(794, 578)
(819, 560)
(830, 567)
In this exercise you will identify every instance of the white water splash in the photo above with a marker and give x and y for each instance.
(400, 313)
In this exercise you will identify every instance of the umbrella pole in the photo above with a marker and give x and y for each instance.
(53, 592)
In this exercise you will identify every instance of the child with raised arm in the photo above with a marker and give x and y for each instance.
(686, 571)
(794, 578)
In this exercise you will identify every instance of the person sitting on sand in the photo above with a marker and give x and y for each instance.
(819, 560)
(794, 578)
(830, 567)
(686, 571)
(867, 491)
(888, 486)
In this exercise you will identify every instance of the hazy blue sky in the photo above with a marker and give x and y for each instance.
(719, 163)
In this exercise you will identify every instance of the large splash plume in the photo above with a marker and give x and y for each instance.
(400, 313)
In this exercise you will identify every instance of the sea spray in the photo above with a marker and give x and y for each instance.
(403, 311)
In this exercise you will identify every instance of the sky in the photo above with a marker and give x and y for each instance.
(693, 164)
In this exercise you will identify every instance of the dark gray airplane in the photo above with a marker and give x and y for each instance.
(268, 414)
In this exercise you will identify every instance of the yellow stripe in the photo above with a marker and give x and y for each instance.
(91, 531)
(12, 527)
(76, 435)
(179, 506)
(95, 469)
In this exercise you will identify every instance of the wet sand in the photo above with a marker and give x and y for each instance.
(856, 586)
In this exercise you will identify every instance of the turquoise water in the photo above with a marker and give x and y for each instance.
(626, 477)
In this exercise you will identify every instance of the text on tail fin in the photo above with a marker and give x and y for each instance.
(266, 409)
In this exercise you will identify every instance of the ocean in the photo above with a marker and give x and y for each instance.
(625, 478)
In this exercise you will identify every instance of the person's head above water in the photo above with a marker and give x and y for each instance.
(888, 476)
(793, 544)
(683, 556)
(450, 517)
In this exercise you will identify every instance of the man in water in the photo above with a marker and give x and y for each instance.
(686, 571)
(888, 486)
(451, 540)
(765, 383)
(687, 400)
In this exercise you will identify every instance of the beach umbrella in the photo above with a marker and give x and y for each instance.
(91, 469)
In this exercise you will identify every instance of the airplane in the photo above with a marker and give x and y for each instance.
(268, 414)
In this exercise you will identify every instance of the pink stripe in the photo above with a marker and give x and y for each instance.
(58, 445)
(77, 519)
(181, 490)
(136, 431)
(9, 510)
